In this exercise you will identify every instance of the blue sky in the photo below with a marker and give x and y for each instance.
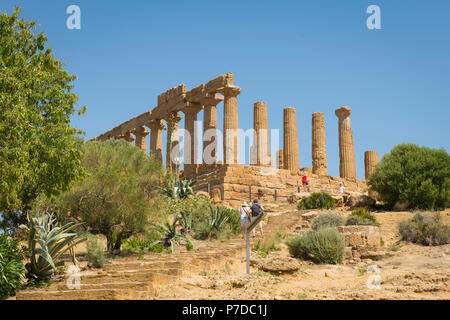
(313, 55)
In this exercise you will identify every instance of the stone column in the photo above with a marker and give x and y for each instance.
(191, 141)
(261, 128)
(141, 140)
(253, 156)
(347, 167)
(290, 140)
(319, 148)
(230, 124)
(156, 139)
(210, 128)
(370, 162)
(280, 162)
(173, 154)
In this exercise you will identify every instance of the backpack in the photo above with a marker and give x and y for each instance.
(256, 209)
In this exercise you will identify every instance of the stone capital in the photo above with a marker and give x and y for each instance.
(141, 131)
(211, 100)
(192, 107)
(174, 116)
(343, 112)
(230, 91)
(155, 125)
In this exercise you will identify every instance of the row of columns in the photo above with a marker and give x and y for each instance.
(287, 158)
(209, 105)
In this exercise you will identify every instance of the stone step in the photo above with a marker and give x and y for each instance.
(91, 294)
(140, 279)
(134, 285)
(154, 277)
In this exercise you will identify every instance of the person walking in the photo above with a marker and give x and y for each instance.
(305, 182)
(341, 189)
(245, 217)
(257, 209)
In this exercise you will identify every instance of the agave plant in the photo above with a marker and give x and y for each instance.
(180, 188)
(186, 222)
(169, 233)
(47, 242)
(218, 217)
(184, 188)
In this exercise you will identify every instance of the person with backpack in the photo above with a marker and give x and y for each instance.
(257, 209)
(245, 218)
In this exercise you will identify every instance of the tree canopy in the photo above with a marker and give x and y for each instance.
(39, 150)
(413, 174)
(119, 194)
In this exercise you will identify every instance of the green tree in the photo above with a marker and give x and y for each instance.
(39, 152)
(418, 175)
(118, 196)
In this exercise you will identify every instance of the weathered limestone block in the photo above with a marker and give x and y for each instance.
(308, 216)
(400, 206)
(347, 166)
(276, 264)
(356, 199)
(319, 149)
(202, 194)
(339, 201)
(361, 236)
(290, 140)
(216, 195)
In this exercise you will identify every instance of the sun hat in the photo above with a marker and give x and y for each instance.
(244, 204)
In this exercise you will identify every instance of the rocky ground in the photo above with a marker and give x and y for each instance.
(412, 272)
(216, 270)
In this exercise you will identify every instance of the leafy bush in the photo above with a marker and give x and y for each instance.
(413, 174)
(326, 245)
(95, 254)
(317, 201)
(219, 222)
(11, 268)
(361, 216)
(326, 220)
(47, 242)
(426, 230)
(156, 248)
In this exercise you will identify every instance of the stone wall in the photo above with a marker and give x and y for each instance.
(234, 181)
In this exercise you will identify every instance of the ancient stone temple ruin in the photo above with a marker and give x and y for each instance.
(269, 176)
